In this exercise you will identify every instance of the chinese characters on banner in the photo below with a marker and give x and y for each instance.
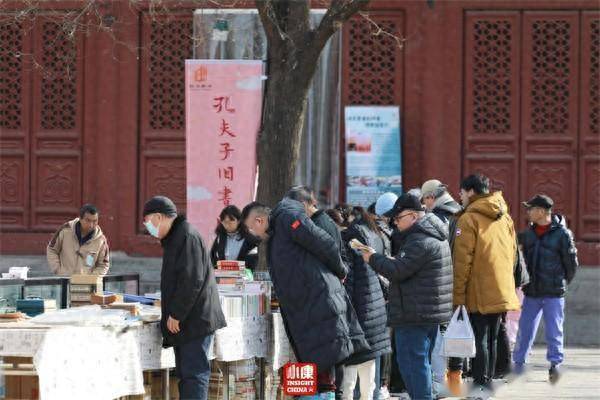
(373, 153)
(223, 112)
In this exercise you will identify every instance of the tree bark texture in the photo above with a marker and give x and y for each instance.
(294, 49)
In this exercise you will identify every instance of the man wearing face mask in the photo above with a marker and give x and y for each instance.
(191, 311)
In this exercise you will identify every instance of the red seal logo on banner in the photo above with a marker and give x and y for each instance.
(300, 379)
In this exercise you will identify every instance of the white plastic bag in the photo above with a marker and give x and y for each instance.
(459, 340)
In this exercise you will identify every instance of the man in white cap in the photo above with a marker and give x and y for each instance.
(437, 200)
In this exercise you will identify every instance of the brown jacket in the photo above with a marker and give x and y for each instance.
(485, 251)
(66, 257)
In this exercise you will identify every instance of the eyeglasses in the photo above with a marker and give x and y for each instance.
(399, 217)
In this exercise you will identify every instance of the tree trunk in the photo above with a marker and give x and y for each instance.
(293, 51)
(280, 139)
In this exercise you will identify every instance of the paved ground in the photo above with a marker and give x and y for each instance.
(581, 378)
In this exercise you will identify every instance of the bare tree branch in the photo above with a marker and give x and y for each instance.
(298, 20)
(338, 12)
(275, 34)
(382, 32)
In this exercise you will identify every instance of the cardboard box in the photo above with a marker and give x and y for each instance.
(79, 279)
(133, 308)
(30, 388)
(12, 386)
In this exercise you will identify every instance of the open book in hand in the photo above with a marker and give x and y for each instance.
(356, 245)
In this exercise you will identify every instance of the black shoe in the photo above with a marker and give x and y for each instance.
(554, 374)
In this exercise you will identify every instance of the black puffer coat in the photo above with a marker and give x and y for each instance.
(447, 210)
(306, 270)
(551, 259)
(188, 287)
(420, 275)
(363, 286)
(447, 213)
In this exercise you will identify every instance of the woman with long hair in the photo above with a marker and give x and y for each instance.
(234, 241)
(364, 288)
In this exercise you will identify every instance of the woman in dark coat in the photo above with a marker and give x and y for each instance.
(364, 288)
(233, 241)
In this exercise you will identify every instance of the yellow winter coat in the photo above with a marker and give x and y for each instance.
(484, 255)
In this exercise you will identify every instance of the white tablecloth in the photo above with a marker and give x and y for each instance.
(281, 350)
(88, 362)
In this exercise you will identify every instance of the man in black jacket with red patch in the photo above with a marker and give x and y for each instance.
(191, 310)
(306, 269)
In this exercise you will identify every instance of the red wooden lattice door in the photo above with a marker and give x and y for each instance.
(531, 112)
(41, 124)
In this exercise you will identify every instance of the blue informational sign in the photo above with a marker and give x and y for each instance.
(373, 153)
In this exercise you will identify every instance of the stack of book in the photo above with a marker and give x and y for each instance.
(82, 287)
(247, 299)
(243, 380)
(230, 272)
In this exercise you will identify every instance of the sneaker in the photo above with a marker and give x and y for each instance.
(518, 369)
(454, 382)
(384, 393)
(480, 393)
(554, 374)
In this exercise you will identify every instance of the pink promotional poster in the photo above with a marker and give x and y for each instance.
(223, 114)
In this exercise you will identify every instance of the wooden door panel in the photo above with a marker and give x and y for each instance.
(589, 139)
(491, 108)
(549, 128)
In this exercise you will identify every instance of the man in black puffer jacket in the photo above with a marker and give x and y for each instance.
(307, 272)
(551, 258)
(421, 282)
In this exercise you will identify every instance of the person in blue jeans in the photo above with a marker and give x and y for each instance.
(551, 259)
(420, 293)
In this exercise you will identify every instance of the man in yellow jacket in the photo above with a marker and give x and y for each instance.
(484, 255)
(79, 246)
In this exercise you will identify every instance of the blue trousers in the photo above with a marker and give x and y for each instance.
(553, 311)
(193, 368)
(414, 345)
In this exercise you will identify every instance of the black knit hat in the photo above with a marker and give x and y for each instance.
(406, 202)
(160, 204)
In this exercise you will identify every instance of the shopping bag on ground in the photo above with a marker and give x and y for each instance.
(459, 340)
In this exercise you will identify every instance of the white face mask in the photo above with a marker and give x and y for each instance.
(153, 230)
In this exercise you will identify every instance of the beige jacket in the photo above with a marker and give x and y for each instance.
(66, 257)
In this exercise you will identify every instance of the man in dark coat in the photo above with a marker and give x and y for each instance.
(306, 270)
(436, 199)
(421, 290)
(191, 311)
(551, 257)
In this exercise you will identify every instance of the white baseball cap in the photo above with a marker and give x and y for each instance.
(385, 203)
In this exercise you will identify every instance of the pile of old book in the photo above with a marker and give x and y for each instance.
(236, 380)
